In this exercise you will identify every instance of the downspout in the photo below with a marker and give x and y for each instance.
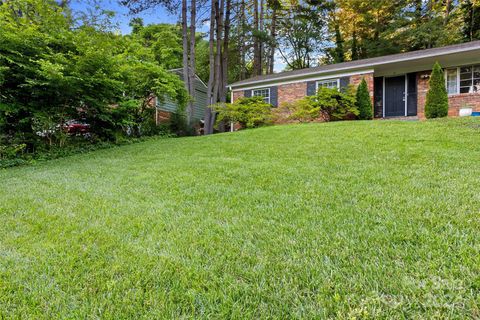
(231, 101)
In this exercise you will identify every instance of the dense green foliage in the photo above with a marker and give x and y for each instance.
(248, 112)
(345, 220)
(165, 42)
(326, 105)
(436, 104)
(54, 70)
(302, 32)
(364, 102)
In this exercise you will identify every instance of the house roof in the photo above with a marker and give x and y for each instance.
(359, 64)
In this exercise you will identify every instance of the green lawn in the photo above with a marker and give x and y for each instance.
(376, 219)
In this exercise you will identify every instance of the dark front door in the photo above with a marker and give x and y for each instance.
(395, 96)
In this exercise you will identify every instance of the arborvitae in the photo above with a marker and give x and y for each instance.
(436, 105)
(364, 102)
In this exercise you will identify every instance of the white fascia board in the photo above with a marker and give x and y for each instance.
(324, 77)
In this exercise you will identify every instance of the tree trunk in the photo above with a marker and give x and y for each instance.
(418, 11)
(273, 34)
(218, 89)
(261, 41)
(339, 52)
(218, 52)
(257, 65)
(354, 43)
(226, 39)
(192, 66)
(209, 114)
(472, 21)
(242, 41)
(186, 78)
(448, 7)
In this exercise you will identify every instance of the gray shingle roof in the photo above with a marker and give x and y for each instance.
(366, 63)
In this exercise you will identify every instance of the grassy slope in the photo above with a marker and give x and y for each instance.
(372, 219)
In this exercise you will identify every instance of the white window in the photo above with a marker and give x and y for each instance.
(264, 93)
(470, 79)
(451, 77)
(463, 80)
(329, 83)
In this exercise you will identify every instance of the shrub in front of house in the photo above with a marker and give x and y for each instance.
(364, 102)
(248, 112)
(436, 105)
(326, 105)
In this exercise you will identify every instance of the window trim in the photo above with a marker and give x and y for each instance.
(325, 81)
(262, 89)
(457, 70)
(458, 79)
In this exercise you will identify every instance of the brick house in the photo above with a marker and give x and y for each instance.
(398, 83)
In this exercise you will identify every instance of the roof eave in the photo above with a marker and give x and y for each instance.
(370, 65)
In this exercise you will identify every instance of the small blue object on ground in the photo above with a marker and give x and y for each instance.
(476, 114)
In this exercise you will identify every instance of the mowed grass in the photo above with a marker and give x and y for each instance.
(342, 220)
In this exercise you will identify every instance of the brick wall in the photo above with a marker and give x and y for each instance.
(356, 79)
(422, 89)
(163, 116)
(458, 101)
(455, 102)
(237, 95)
(291, 92)
(295, 91)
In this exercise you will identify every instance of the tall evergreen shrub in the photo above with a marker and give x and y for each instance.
(436, 105)
(364, 103)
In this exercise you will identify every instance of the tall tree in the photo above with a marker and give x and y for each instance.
(339, 52)
(188, 38)
(257, 53)
(209, 117)
(471, 19)
(275, 6)
(242, 39)
(302, 34)
(219, 39)
(191, 66)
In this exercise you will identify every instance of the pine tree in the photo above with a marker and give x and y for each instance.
(354, 46)
(436, 105)
(339, 53)
(364, 103)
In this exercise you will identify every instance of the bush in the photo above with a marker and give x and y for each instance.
(326, 105)
(364, 102)
(11, 151)
(249, 112)
(177, 125)
(436, 105)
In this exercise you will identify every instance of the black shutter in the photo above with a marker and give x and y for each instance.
(274, 96)
(247, 93)
(344, 82)
(412, 94)
(311, 88)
